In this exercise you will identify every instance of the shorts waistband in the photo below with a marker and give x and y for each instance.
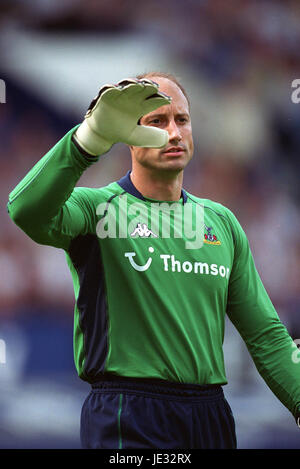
(155, 385)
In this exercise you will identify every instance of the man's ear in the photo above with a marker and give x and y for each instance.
(131, 147)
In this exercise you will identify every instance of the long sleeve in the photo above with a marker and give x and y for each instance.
(253, 314)
(45, 204)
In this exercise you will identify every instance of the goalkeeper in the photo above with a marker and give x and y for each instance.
(149, 312)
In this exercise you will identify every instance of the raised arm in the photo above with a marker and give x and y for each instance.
(45, 204)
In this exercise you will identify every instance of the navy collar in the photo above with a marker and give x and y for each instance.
(126, 184)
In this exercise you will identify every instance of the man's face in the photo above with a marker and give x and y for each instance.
(175, 119)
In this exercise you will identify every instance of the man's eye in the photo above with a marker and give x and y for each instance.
(155, 121)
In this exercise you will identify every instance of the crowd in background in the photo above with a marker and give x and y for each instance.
(248, 53)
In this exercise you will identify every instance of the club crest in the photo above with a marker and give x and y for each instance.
(209, 237)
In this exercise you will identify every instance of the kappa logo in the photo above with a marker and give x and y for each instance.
(210, 238)
(143, 231)
(123, 219)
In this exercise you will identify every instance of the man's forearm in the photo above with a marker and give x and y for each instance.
(271, 349)
(43, 191)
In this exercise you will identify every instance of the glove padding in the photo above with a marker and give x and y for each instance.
(113, 117)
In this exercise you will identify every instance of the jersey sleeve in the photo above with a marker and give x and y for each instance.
(46, 205)
(253, 314)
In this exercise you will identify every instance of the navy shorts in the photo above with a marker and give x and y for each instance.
(128, 413)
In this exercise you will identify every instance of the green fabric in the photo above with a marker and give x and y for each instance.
(168, 320)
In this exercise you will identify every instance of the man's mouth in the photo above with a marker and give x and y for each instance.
(174, 151)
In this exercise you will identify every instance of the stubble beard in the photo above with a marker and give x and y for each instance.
(160, 163)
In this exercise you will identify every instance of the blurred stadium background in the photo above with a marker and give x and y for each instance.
(237, 59)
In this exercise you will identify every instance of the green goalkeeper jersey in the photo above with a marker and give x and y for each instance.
(148, 304)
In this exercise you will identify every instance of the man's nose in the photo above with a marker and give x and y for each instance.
(174, 132)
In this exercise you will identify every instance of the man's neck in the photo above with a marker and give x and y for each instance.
(158, 186)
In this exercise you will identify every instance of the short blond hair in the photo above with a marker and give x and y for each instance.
(168, 76)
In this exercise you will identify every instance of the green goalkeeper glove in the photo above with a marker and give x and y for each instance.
(114, 114)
